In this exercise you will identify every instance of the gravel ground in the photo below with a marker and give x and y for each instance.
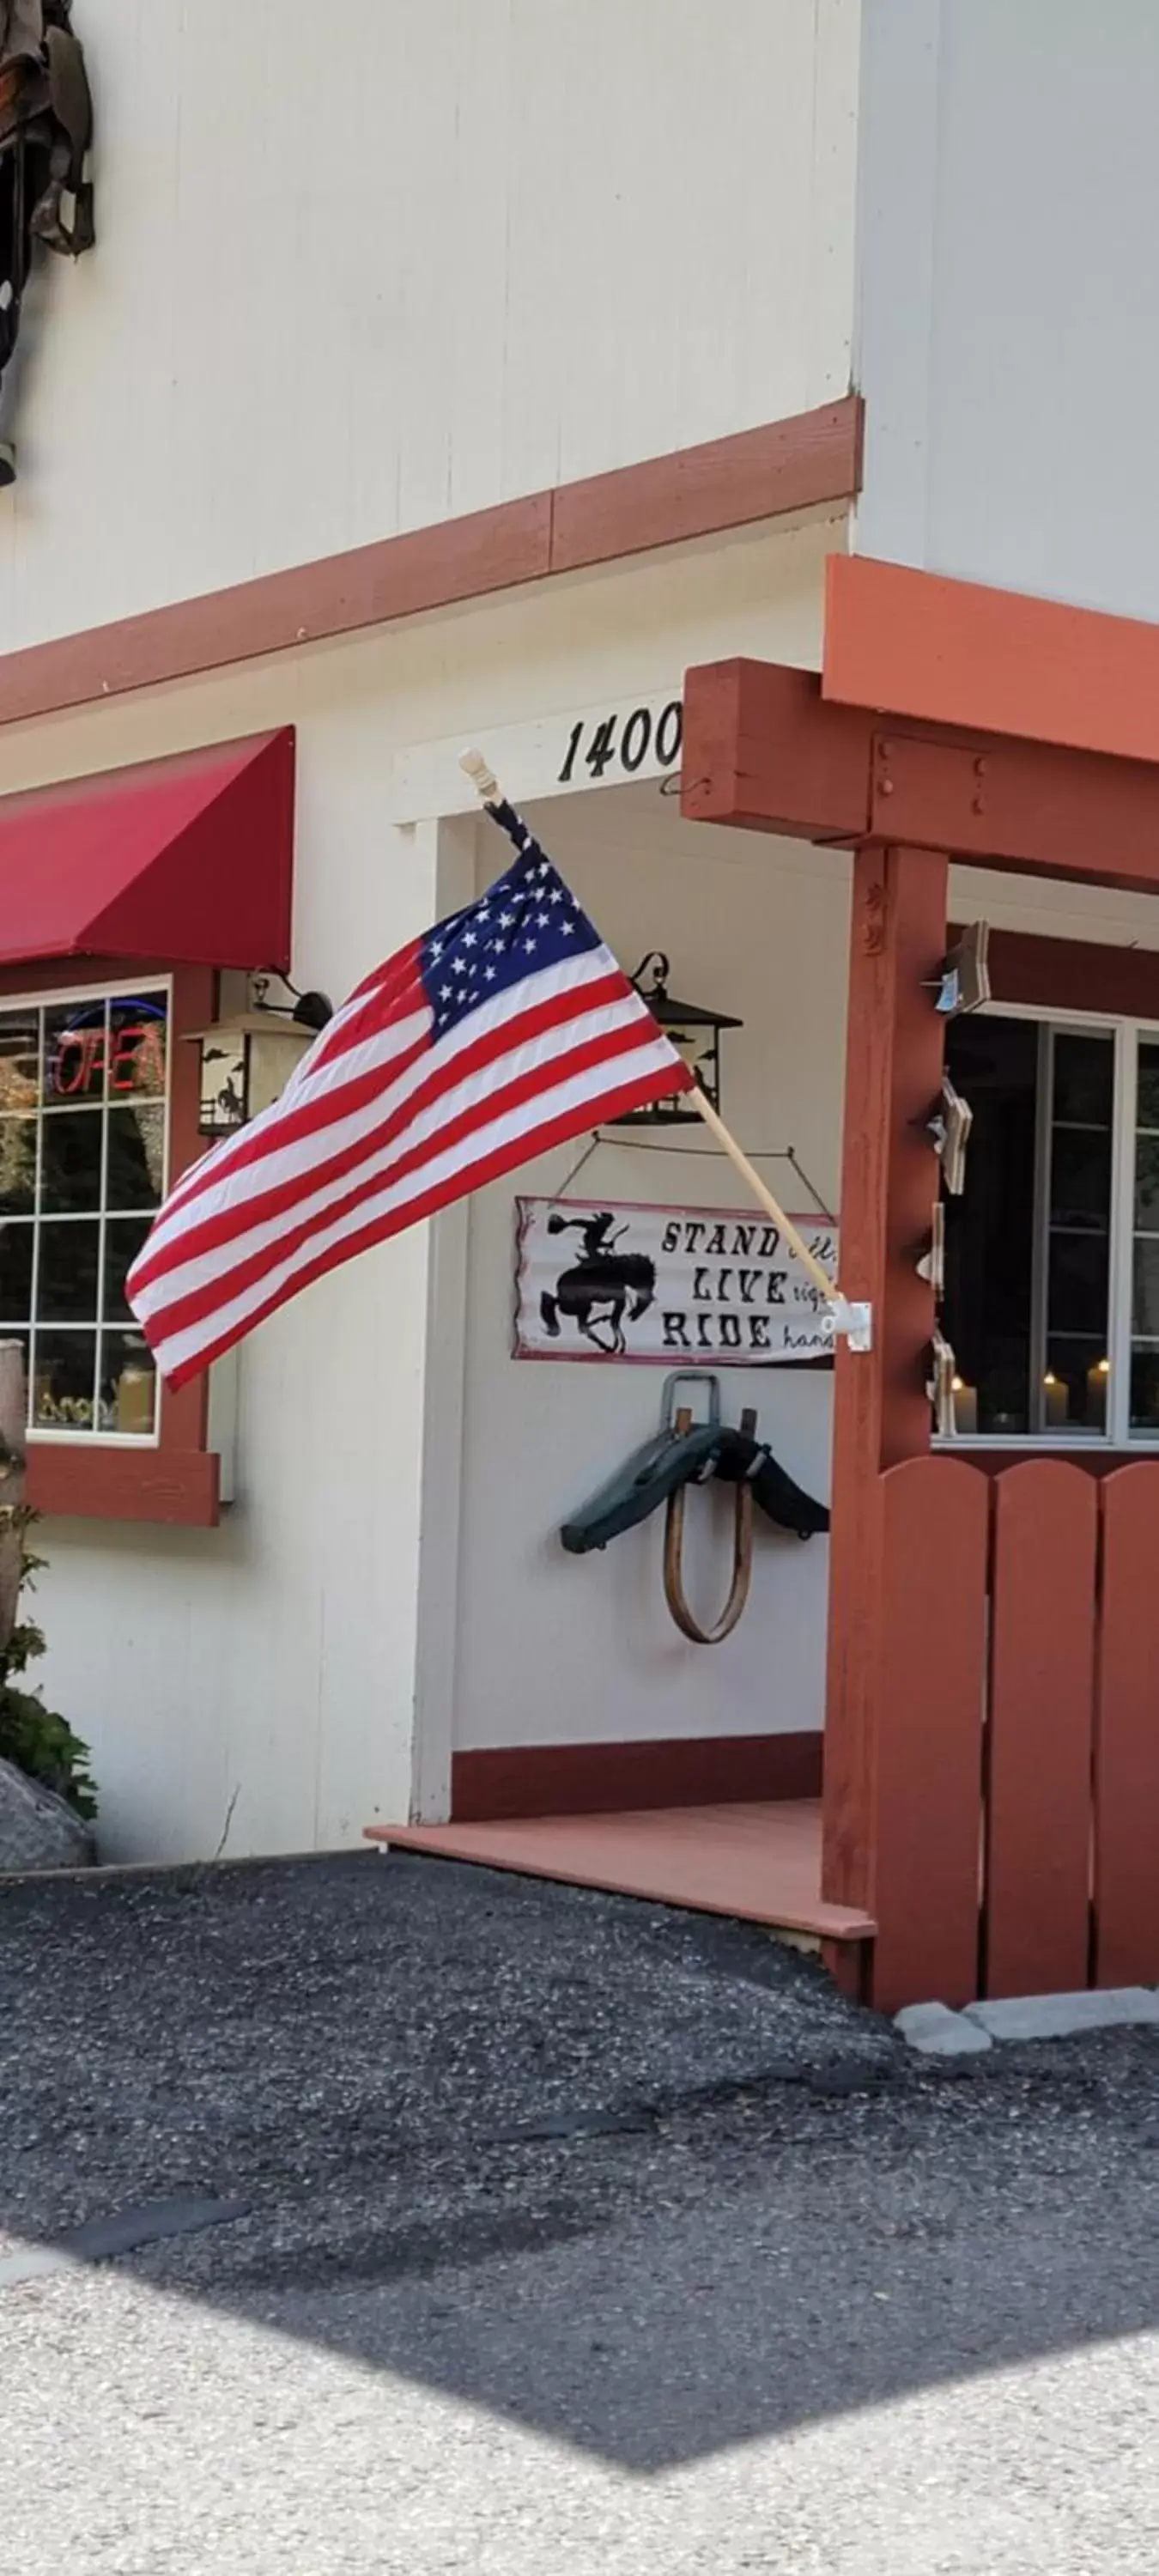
(580, 2235)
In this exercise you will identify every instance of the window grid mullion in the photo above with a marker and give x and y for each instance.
(1118, 1422)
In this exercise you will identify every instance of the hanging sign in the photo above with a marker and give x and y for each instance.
(599, 1280)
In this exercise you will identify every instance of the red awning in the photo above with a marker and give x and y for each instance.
(181, 862)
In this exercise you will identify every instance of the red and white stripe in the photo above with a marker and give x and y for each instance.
(379, 1127)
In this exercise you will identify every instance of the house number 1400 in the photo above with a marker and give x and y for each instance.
(611, 748)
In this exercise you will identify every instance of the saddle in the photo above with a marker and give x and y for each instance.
(685, 1453)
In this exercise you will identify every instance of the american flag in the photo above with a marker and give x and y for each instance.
(508, 1029)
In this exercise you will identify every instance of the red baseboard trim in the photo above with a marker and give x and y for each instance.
(801, 463)
(607, 1779)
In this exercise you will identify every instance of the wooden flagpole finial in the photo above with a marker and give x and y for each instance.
(482, 778)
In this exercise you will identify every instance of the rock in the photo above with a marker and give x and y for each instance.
(37, 1829)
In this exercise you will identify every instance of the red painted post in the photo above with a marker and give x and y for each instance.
(1126, 1870)
(927, 1814)
(894, 1056)
(1042, 1657)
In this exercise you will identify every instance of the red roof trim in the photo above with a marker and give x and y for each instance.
(805, 462)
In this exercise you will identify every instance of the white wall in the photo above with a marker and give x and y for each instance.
(558, 1649)
(356, 273)
(279, 1656)
(1006, 345)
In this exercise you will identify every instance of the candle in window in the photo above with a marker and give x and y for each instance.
(1097, 1378)
(965, 1408)
(1056, 1400)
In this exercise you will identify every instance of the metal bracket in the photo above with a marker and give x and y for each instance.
(853, 1320)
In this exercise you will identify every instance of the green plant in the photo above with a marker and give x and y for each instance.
(38, 1740)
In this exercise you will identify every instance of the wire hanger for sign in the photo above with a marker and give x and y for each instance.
(689, 1154)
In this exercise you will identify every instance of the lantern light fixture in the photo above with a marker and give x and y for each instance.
(695, 1033)
(248, 1055)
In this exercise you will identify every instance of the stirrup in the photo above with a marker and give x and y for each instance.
(742, 1555)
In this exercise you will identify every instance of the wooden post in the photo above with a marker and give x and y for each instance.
(13, 1419)
(893, 1074)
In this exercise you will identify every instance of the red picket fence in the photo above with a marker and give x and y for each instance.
(1017, 1787)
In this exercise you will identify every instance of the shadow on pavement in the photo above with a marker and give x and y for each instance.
(636, 2180)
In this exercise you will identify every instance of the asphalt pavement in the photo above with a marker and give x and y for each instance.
(550, 2232)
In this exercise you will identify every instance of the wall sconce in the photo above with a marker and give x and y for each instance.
(247, 1056)
(694, 1032)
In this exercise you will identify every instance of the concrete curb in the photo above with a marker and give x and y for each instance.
(935, 2031)
(1063, 2016)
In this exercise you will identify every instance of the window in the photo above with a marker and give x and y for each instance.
(1052, 1251)
(84, 1103)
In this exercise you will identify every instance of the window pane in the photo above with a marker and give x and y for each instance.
(989, 1230)
(1080, 1180)
(123, 1241)
(74, 1054)
(1148, 1110)
(1084, 1080)
(128, 1386)
(17, 1166)
(1145, 1305)
(19, 1059)
(16, 1249)
(1145, 1390)
(65, 1374)
(1077, 1294)
(137, 1048)
(67, 1285)
(70, 1162)
(136, 1158)
(1147, 1184)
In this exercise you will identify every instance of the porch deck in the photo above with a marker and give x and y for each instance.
(758, 1861)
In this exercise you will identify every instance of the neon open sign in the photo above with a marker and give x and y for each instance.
(85, 1053)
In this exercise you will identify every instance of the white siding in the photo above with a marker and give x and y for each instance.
(1008, 214)
(279, 1657)
(353, 278)
(559, 1649)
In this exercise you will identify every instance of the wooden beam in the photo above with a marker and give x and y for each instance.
(956, 652)
(765, 751)
(893, 1072)
(762, 751)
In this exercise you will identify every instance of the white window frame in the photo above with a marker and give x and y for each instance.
(1127, 1034)
(119, 990)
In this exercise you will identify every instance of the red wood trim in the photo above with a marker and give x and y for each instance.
(787, 465)
(954, 652)
(928, 1769)
(605, 1779)
(1093, 1461)
(178, 1480)
(764, 473)
(1041, 1728)
(765, 751)
(1126, 1881)
(1073, 974)
(82, 1480)
(893, 1071)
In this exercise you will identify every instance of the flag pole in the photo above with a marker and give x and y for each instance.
(854, 1320)
(761, 1192)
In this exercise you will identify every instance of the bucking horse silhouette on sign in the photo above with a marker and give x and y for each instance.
(604, 1286)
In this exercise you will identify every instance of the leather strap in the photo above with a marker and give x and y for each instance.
(742, 1562)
